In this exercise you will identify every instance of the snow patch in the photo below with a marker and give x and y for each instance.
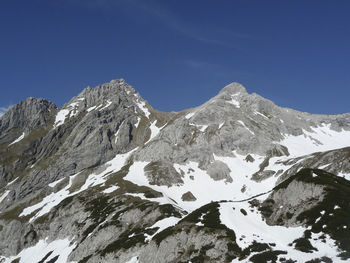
(142, 106)
(262, 115)
(53, 184)
(133, 260)
(48, 202)
(154, 130)
(234, 102)
(138, 122)
(60, 117)
(242, 123)
(110, 189)
(163, 224)
(117, 133)
(189, 115)
(323, 166)
(18, 139)
(4, 195)
(202, 128)
(69, 111)
(113, 165)
(14, 180)
(91, 108)
(108, 104)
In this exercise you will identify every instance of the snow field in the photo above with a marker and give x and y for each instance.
(322, 138)
(252, 227)
(61, 248)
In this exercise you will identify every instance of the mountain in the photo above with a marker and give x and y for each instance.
(107, 178)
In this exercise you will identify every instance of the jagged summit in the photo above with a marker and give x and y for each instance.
(114, 90)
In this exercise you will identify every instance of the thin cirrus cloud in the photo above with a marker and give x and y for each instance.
(204, 34)
(3, 110)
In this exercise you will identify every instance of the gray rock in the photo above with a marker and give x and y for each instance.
(188, 196)
(219, 171)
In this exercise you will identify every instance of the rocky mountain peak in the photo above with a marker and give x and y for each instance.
(112, 91)
(233, 88)
(116, 95)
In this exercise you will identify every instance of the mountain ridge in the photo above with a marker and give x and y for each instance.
(107, 178)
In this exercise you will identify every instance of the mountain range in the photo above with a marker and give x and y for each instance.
(108, 178)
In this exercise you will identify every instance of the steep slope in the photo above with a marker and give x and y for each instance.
(107, 178)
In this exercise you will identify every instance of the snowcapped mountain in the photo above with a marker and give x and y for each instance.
(107, 178)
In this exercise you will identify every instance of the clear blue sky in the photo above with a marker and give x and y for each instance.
(178, 54)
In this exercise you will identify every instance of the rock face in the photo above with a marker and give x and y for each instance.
(107, 178)
(284, 205)
(27, 116)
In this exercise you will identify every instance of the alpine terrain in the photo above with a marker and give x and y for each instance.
(107, 178)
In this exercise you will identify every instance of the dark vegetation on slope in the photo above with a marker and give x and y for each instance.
(207, 219)
(331, 215)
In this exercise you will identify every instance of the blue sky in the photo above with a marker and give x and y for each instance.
(178, 54)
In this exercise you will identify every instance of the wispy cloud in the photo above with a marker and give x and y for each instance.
(3, 110)
(205, 34)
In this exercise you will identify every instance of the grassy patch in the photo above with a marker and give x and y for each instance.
(158, 238)
(85, 259)
(266, 256)
(126, 240)
(304, 245)
(202, 257)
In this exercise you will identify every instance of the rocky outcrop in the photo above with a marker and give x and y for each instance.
(219, 171)
(188, 196)
(25, 117)
(285, 204)
(162, 173)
